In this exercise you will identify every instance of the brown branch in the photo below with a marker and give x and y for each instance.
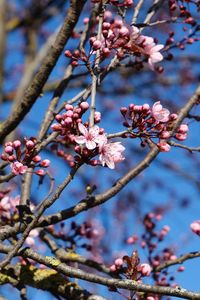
(46, 280)
(34, 90)
(177, 261)
(190, 149)
(132, 285)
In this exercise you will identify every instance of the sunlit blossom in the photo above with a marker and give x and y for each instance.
(111, 153)
(90, 137)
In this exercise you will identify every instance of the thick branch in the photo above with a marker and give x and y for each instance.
(34, 90)
(116, 283)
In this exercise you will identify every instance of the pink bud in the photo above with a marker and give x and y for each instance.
(16, 144)
(45, 163)
(173, 117)
(106, 51)
(181, 269)
(4, 157)
(40, 172)
(68, 53)
(124, 31)
(94, 162)
(123, 110)
(144, 269)
(183, 128)
(68, 121)
(181, 136)
(36, 158)
(9, 149)
(165, 135)
(113, 268)
(30, 144)
(84, 106)
(58, 118)
(106, 25)
(119, 262)
(166, 228)
(92, 40)
(56, 127)
(145, 106)
(97, 116)
(11, 158)
(137, 107)
(97, 45)
(85, 21)
(69, 113)
(164, 147)
(69, 107)
(195, 226)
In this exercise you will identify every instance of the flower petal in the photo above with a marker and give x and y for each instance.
(82, 129)
(90, 145)
(80, 139)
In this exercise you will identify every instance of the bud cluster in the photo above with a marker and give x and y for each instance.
(152, 123)
(120, 39)
(20, 159)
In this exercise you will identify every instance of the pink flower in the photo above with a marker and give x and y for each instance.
(163, 146)
(90, 137)
(111, 153)
(144, 269)
(119, 262)
(113, 268)
(18, 168)
(30, 239)
(154, 55)
(183, 128)
(151, 49)
(159, 113)
(181, 136)
(195, 226)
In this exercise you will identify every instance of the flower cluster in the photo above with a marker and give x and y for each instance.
(20, 159)
(110, 153)
(133, 270)
(87, 141)
(153, 122)
(121, 39)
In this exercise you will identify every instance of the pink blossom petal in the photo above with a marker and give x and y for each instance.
(90, 144)
(82, 129)
(94, 130)
(80, 139)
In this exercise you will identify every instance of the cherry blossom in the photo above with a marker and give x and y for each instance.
(30, 241)
(111, 153)
(90, 137)
(195, 226)
(159, 113)
(144, 269)
(18, 168)
(164, 146)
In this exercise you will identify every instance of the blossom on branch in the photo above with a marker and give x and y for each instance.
(18, 168)
(111, 153)
(159, 113)
(195, 226)
(90, 137)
